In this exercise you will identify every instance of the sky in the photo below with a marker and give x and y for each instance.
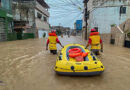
(65, 12)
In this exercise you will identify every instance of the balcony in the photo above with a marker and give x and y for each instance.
(42, 9)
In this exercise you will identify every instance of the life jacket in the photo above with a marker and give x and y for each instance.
(77, 54)
(95, 37)
(52, 41)
(52, 34)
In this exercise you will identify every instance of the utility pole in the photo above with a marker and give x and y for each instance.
(86, 18)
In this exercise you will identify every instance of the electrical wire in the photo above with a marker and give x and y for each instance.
(65, 8)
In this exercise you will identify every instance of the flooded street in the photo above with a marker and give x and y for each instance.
(26, 65)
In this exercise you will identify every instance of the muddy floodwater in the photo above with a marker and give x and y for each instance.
(26, 65)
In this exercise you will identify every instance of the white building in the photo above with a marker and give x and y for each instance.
(42, 18)
(106, 13)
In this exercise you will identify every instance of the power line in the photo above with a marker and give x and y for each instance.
(65, 8)
(62, 16)
(70, 3)
(72, 20)
(79, 2)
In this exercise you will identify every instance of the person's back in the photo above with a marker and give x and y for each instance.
(52, 41)
(95, 42)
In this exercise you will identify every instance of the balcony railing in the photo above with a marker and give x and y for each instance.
(42, 9)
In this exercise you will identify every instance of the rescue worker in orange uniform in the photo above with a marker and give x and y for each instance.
(52, 41)
(95, 41)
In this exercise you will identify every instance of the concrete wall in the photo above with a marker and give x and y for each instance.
(119, 39)
(117, 35)
(106, 37)
(41, 32)
(41, 24)
(90, 5)
(107, 14)
(104, 13)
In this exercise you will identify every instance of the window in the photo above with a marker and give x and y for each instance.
(45, 19)
(122, 10)
(39, 15)
(6, 4)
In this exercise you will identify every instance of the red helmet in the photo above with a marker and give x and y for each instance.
(93, 30)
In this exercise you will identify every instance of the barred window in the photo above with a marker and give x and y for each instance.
(122, 10)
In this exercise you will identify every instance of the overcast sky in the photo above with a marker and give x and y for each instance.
(65, 12)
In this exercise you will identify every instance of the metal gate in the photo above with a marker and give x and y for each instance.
(2, 30)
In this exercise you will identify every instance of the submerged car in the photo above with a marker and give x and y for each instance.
(66, 65)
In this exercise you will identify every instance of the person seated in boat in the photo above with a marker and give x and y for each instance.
(52, 41)
(95, 41)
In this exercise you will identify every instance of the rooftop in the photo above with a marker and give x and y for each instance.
(42, 2)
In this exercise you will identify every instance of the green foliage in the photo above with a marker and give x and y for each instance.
(113, 25)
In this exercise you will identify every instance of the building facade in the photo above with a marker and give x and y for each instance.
(106, 13)
(112, 19)
(42, 18)
(6, 19)
(24, 18)
(30, 18)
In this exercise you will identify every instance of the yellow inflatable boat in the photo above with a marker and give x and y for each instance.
(66, 65)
